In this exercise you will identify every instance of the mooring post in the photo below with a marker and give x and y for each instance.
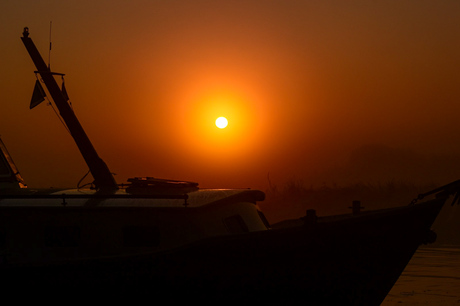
(310, 217)
(356, 208)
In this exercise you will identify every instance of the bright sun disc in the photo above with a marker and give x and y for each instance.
(221, 122)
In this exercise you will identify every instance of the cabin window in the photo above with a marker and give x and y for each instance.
(235, 224)
(141, 236)
(62, 236)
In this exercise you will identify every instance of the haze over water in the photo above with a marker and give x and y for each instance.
(320, 91)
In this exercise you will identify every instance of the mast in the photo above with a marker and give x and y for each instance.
(9, 174)
(103, 178)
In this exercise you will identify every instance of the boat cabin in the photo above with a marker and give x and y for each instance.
(78, 224)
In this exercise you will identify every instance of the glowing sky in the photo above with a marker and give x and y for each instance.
(306, 85)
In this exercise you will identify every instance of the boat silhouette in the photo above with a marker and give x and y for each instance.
(171, 239)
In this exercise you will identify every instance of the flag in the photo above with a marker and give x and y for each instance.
(38, 96)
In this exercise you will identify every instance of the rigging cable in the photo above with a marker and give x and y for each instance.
(49, 51)
(51, 104)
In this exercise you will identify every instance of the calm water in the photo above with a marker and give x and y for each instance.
(431, 278)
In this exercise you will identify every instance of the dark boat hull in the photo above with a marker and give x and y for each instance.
(353, 261)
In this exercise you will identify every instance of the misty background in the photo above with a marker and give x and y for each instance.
(322, 92)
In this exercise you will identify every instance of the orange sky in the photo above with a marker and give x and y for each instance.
(322, 91)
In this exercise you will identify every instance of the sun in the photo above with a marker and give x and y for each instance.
(221, 122)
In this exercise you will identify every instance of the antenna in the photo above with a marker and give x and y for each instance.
(49, 51)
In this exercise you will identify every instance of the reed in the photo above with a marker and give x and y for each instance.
(292, 198)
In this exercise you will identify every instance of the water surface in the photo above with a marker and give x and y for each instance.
(432, 277)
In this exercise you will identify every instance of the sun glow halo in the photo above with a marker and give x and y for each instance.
(221, 122)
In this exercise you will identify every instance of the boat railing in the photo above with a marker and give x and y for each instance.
(447, 190)
(64, 196)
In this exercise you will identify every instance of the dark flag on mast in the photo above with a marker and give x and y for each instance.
(38, 96)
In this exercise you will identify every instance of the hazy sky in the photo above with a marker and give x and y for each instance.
(323, 91)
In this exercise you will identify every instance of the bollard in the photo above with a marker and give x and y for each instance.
(310, 218)
(356, 208)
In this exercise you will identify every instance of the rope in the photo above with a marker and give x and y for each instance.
(67, 129)
(446, 190)
(79, 182)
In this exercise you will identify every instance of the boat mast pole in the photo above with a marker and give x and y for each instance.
(103, 178)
